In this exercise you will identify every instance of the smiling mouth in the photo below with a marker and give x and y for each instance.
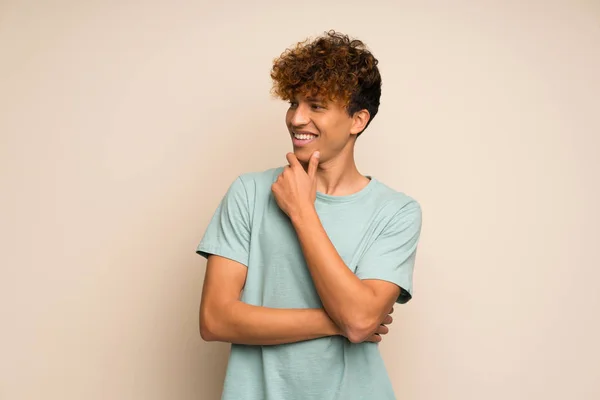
(301, 139)
(304, 136)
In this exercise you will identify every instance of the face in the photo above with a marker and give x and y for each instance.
(315, 124)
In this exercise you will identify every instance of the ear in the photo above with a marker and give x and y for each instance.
(359, 121)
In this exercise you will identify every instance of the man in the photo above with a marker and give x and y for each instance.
(306, 261)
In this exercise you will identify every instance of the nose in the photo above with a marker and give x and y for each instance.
(299, 115)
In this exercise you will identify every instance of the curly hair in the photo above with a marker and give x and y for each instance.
(334, 67)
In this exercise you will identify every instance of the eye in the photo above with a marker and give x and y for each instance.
(293, 104)
(317, 107)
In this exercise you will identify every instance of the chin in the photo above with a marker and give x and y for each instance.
(302, 154)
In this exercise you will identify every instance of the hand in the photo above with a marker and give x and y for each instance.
(382, 329)
(295, 189)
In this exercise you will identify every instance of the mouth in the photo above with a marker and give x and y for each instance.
(302, 138)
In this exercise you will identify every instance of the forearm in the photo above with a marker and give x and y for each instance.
(347, 300)
(241, 323)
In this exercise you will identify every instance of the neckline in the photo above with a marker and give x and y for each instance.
(328, 198)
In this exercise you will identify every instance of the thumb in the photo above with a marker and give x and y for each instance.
(313, 165)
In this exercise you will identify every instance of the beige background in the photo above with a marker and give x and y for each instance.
(122, 124)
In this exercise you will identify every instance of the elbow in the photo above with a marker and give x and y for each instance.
(357, 335)
(207, 334)
(208, 327)
(359, 330)
(215, 325)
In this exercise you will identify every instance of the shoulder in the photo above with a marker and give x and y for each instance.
(252, 185)
(396, 206)
(249, 190)
(394, 200)
(259, 181)
(264, 177)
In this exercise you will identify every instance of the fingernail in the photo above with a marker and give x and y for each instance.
(317, 154)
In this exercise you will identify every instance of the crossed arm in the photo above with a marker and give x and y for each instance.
(224, 318)
(353, 308)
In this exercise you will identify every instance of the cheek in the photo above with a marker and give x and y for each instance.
(336, 134)
(337, 128)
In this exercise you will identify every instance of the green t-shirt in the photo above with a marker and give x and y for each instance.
(375, 231)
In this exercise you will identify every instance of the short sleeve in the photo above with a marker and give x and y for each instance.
(228, 233)
(391, 257)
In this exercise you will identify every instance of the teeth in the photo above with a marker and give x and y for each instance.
(303, 136)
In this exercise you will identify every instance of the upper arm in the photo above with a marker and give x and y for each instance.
(387, 266)
(226, 245)
(226, 242)
(228, 233)
(385, 295)
(223, 282)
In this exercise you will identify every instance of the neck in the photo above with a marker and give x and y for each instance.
(339, 176)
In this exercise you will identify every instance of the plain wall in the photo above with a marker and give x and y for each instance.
(123, 123)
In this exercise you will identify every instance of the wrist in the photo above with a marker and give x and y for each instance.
(304, 215)
(332, 328)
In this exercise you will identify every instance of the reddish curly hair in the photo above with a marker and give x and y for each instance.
(334, 67)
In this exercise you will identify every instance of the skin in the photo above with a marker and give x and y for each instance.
(336, 132)
(327, 165)
(224, 318)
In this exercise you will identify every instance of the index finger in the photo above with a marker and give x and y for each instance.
(313, 164)
(292, 160)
